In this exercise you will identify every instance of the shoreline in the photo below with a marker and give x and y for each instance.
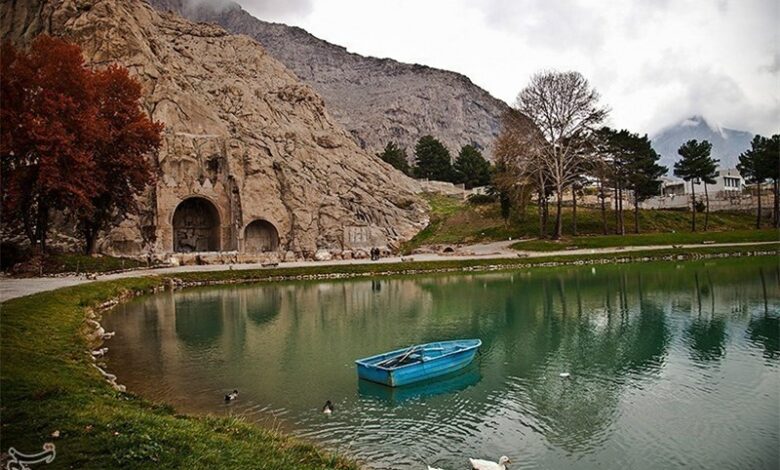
(51, 381)
(11, 288)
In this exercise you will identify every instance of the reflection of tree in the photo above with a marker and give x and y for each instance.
(706, 334)
(766, 329)
(598, 353)
(706, 338)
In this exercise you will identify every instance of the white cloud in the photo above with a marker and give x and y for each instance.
(654, 62)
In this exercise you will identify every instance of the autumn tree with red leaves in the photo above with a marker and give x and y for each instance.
(71, 140)
(126, 136)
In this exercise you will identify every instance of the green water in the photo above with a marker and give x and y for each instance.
(672, 365)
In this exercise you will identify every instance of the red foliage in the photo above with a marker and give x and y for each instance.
(71, 138)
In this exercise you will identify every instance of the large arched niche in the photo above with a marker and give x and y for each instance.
(260, 236)
(196, 226)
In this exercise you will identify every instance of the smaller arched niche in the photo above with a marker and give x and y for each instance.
(260, 237)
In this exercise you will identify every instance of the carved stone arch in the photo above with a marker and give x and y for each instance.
(196, 226)
(260, 236)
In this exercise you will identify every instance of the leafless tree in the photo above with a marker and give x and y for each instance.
(565, 109)
(518, 171)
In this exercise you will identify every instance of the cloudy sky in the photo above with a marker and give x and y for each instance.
(655, 62)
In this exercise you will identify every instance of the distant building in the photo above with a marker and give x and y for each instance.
(727, 180)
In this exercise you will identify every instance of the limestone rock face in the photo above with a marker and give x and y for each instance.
(251, 160)
(376, 100)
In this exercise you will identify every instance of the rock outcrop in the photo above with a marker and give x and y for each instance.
(376, 100)
(251, 160)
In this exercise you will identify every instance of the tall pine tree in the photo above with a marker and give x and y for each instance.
(433, 160)
(395, 156)
(696, 165)
(471, 168)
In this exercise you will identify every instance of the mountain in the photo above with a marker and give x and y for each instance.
(250, 157)
(376, 100)
(727, 144)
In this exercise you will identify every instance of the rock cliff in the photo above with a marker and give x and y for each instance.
(251, 160)
(376, 100)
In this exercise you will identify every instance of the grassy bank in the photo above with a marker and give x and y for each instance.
(456, 221)
(48, 383)
(649, 239)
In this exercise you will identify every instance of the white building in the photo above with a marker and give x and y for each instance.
(727, 181)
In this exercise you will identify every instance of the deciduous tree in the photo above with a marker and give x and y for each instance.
(73, 140)
(565, 109)
(122, 167)
(48, 134)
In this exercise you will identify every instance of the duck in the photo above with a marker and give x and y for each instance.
(231, 396)
(328, 408)
(478, 464)
(434, 468)
(564, 375)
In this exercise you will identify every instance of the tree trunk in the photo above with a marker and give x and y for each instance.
(636, 214)
(90, 238)
(693, 206)
(621, 219)
(603, 206)
(574, 211)
(706, 207)
(777, 203)
(758, 212)
(617, 211)
(559, 205)
(42, 227)
(542, 228)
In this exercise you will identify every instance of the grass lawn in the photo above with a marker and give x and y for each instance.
(456, 221)
(48, 383)
(57, 263)
(649, 239)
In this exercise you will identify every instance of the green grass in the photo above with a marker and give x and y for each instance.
(649, 239)
(90, 264)
(454, 221)
(48, 383)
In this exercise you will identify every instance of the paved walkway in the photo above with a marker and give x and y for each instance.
(11, 287)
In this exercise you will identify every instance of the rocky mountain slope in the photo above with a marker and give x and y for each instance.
(727, 144)
(376, 100)
(243, 136)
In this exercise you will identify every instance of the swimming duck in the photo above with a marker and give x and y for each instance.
(478, 464)
(328, 408)
(231, 396)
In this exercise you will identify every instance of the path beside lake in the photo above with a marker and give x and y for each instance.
(11, 288)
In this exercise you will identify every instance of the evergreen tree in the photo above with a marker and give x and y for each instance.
(770, 168)
(750, 167)
(696, 165)
(395, 156)
(433, 160)
(471, 168)
(643, 172)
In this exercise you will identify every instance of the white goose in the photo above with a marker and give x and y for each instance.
(478, 464)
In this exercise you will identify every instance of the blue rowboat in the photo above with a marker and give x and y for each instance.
(419, 362)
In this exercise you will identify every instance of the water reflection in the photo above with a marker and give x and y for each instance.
(451, 383)
(656, 353)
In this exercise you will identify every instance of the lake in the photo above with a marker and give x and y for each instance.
(671, 364)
